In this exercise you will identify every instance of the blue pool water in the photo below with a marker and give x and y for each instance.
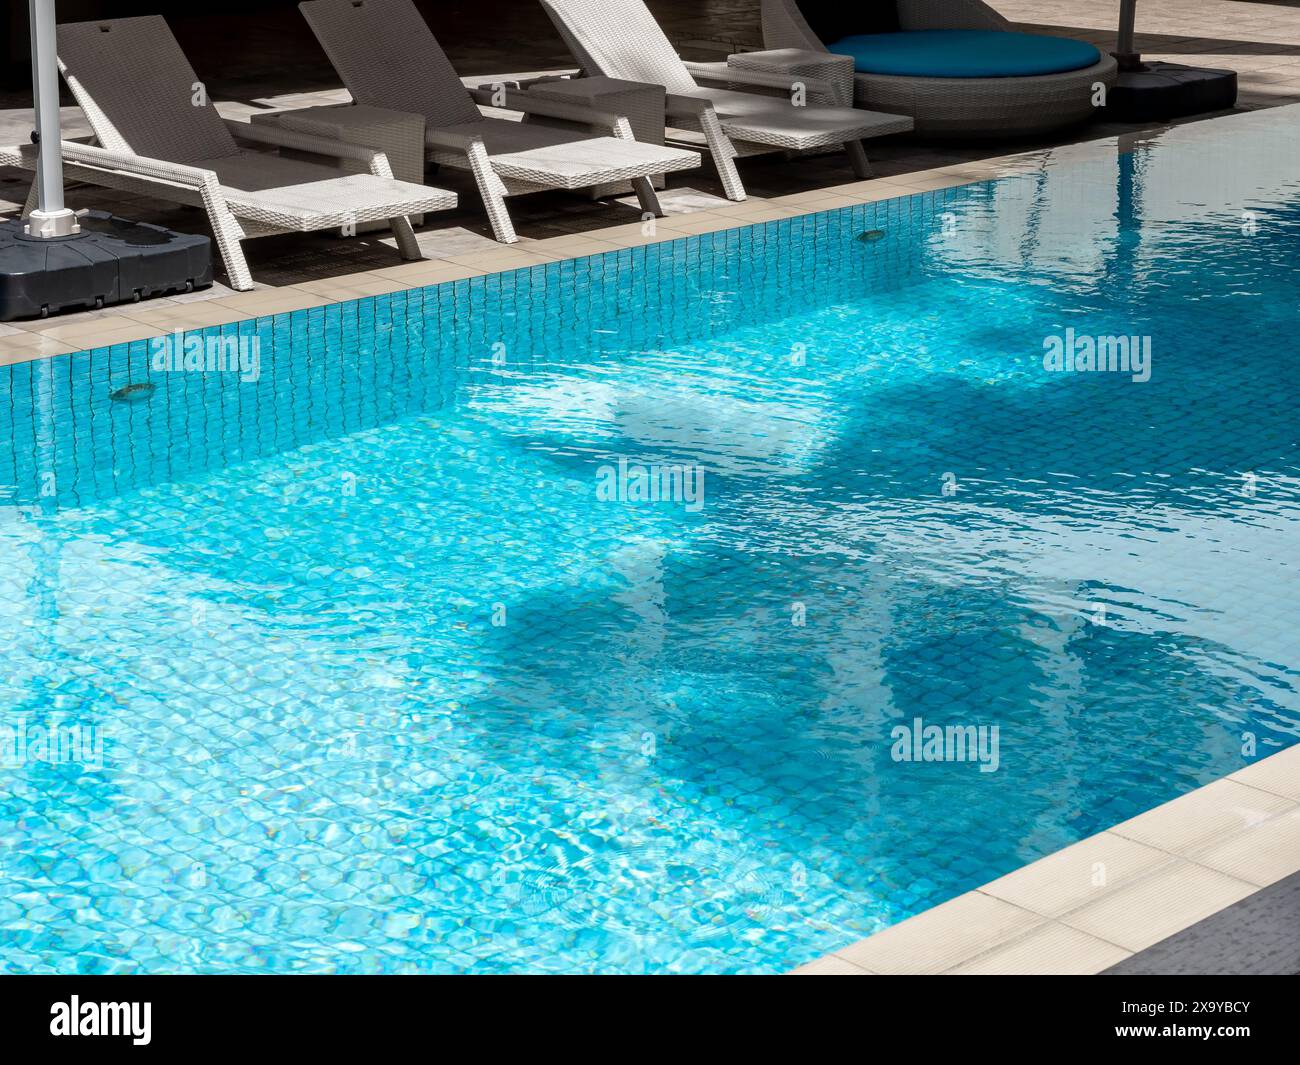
(385, 684)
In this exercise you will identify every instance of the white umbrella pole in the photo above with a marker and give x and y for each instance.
(51, 218)
(1127, 58)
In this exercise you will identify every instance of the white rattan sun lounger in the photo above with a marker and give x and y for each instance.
(621, 39)
(388, 57)
(159, 135)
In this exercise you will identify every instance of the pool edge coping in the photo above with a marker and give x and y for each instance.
(38, 339)
(1173, 866)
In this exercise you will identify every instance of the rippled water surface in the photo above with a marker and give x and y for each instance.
(384, 685)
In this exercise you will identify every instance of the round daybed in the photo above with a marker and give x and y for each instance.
(955, 66)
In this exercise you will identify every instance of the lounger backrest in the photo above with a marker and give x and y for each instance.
(387, 57)
(620, 39)
(139, 92)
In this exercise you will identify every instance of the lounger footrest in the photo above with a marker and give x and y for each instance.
(340, 201)
(579, 164)
(798, 128)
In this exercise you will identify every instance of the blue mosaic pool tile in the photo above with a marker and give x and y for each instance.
(384, 686)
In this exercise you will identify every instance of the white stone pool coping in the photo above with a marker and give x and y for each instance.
(26, 341)
(1093, 904)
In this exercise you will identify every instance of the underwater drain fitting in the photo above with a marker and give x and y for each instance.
(133, 393)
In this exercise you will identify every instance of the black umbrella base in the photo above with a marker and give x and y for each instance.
(110, 261)
(1161, 91)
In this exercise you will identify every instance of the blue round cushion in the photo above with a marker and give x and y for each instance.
(965, 54)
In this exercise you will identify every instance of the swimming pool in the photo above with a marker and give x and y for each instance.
(391, 668)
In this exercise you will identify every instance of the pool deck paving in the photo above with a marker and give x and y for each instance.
(1101, 903)
(279, 68)
(1253, 937)
(33, 339)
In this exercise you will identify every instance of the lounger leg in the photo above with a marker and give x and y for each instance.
(232, 254)
(228, 233)
(858, 158)
(724, 154)
(407, 245)
(493, 191)
(645, 194)
(33, 198)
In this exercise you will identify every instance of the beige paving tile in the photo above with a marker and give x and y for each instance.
(769, 213)
(118, 335)
(633, 234)
(1278, 773)
(214, 291)
(1053, 950)
(1018, 162)
(1159, 905)
(754, 208)
(259, 291)
(82, 338)
(28, 346)
(929, 182)
(706, 222)
(271, 301)
(429, 273)
(88, 330)
(1272, 90)
(938, 174)
(71, 318)
(1078, 874)
(573, 246)
(796, 198)
(1202, 817)
(1017, 169)
(353, 286)
(825, 203)
(1263, 855)
(186, 316)
(749, 203)
(505, 259)
(943, 937)
(834, 200)
(374, 283)
(868, 191)
(971, 169)
(538, 252)
(830, 965)
(437, 244)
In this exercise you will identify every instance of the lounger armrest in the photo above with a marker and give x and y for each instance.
(676, 106)
(279, 137)
(514, 100)
(815, 88)
(687, 107)
(702, 71)
(141, 165)
(448, 141)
